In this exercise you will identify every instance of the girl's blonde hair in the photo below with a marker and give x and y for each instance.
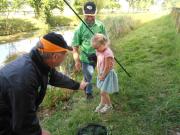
(100, 39)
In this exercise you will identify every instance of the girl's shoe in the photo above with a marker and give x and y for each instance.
(99, 107)
(106, 108)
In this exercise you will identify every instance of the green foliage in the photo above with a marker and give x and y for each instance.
(6, 5)
(11, 31)
(12, 26)
(78, 5)
(140, 3)
(37, 5)
(118, 26)
(49, 5)
(43, 8)
(17, 4)
(148, 103)
(52, 98)
(3, 5)
(100, 5)
(112, 4)
(55, 21)
(173, 3)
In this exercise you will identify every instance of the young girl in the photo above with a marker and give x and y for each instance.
(107, 80)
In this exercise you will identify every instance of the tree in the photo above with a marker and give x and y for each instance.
(17, 4)
(7, 5)
(172, 3)
(37, 6)
(100, 5)
(49, 5)
(3, 5)
(140, 4)
(111, 4)
(43, 8)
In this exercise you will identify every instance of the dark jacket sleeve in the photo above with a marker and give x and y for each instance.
(22, 99)
(58, 79)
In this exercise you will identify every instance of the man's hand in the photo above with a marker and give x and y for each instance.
(78, 65)
(76, 58)
(44, 132)
(83, 85)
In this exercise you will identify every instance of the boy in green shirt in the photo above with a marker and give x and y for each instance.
(81, 43)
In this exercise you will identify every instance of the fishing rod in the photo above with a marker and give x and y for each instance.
(93, 34)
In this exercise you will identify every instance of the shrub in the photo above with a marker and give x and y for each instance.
(119, 26)
(12, 26)
(55, 21)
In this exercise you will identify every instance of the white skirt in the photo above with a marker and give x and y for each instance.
(110, 83)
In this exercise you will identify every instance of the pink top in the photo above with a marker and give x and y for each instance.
(101, 58)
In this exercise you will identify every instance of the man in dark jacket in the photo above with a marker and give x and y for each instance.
(23, 85)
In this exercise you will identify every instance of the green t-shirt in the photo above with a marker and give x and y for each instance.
(82, 39)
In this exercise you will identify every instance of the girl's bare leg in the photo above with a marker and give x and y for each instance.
(107, 98)
(103, 98)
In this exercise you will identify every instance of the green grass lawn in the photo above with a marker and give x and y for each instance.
(148, 103)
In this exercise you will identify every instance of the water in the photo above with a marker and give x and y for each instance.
(25, 45)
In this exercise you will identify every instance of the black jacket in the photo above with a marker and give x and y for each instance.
(23, 84)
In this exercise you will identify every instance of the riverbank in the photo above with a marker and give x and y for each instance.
(19, 28)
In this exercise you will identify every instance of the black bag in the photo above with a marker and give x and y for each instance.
(93, 129)
(93, 59)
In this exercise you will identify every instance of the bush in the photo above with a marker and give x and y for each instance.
(55, 21)
(12, 26)
(54, 96)
(119, 26)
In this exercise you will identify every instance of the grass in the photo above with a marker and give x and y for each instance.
(148, 103)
